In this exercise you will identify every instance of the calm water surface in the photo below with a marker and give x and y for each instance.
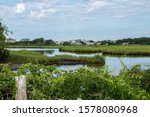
(113, 62)
(52, 52)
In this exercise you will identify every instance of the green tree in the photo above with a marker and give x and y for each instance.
(3, 32)
(2, 36)
(38, 42)
(49, 42)
(66, 43)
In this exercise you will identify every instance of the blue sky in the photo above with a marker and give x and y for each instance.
(76, 19)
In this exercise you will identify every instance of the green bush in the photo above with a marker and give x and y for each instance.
(4, 54)
(7, 83)
(47, 82)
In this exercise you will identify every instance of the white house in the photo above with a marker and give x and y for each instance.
(57, 42)
(126, 43)
(98, 43)
(89, 42)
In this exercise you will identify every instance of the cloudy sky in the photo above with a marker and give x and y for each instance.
(76, 19)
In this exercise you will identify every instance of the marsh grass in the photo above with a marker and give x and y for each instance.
(135, 50)
(130, 50)
(35, 57)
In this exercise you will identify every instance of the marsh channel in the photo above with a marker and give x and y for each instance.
(114, 63)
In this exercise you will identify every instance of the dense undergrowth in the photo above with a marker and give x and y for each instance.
(47, 82)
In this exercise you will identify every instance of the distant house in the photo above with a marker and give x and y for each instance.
(89, 42)
(78, 43)
(73, 42)
(25, 39)
(57, 42)
(126, 43)
(10, 40)
(98, 43)
(78, 40)
(61, 42)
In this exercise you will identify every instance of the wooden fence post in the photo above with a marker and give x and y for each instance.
(21, 88)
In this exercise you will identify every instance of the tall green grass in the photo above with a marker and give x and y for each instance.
(136, 50)
(35, 57)
(139, 50)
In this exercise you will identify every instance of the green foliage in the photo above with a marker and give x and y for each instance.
(139, 41)
(2, 36)
(7, 83)
(66, 43)
(38, 42)
(3, 32)
(47, 82)
(4, 54)
(35, 42)
(49, 42)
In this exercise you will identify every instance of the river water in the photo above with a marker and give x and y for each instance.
(113, 62)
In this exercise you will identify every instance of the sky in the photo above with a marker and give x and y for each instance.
(76, 19)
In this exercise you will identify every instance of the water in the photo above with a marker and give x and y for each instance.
(115, 65)
(52, 52)
(113, 62)
(70, 67)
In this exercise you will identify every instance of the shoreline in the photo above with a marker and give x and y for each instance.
(15, 66)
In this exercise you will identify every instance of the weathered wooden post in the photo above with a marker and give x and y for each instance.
(21, 88)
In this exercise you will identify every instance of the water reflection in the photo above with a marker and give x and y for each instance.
(70, 67)
(52, 52)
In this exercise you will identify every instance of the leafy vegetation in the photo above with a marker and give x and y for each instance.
(3, 32)
(47, 82)
(7, 83)
(36, 42)
(138, 41)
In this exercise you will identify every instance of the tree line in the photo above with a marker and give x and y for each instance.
(35, 42)
(139, 41)
(127, 41)
(49, 42)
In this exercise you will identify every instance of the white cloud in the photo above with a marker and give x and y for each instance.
(97, 4)
(20, 8)
(130, 7)
(3, 10)
(77, 9)
(42, 13)
(6, 11)
(133, 3)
